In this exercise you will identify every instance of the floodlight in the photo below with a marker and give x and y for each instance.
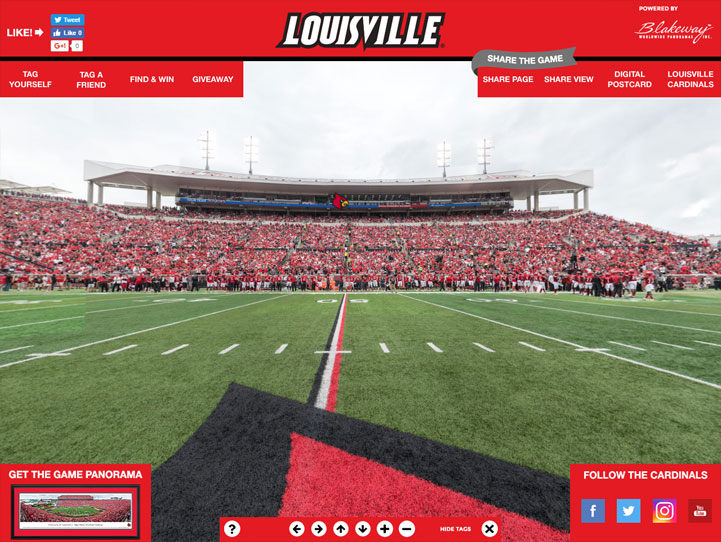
(443, 156)
(207, 146)
(484, 153)
(251, 152)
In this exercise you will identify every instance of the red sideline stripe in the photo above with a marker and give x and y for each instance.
(333, 391)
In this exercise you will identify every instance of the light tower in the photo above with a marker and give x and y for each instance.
(484, 153)
(207, 146)
(251, 152)
(443, 156)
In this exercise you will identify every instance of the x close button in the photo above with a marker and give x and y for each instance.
(489, 529)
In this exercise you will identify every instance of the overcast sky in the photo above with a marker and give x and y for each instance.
(656, 160)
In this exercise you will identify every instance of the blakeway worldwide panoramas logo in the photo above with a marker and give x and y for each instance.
(662, 30)
(347, 30)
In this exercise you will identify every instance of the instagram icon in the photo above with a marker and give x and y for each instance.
(664, 510)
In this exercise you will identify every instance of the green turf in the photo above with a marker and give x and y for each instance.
(75, 511)
(139, 406)
(541, 409)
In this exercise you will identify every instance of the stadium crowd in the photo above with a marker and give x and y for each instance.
(115, 511)
(54, 243)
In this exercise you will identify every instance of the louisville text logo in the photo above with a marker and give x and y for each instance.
(347, 30)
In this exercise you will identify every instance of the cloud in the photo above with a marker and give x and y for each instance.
(696, 208)
(654, 159)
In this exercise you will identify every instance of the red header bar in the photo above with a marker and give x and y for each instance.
(140, 28)
(606, 79)
(122, 78)
(627, 48)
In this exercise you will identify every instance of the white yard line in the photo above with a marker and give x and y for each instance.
(15, 349)
(673, 345)
(322, 398)
(173, 349)
(384, 348)
(435, 348)
(120, 350)
(44, 322)
(616, 318)
(531, 346)
(91, 312)
(628, 346)
(625, 305)
(479, 345)
(608, 354)
(42, 308)
(162, 326)
(700, 342)
(226, 350)
(49, 354)
(281, 348)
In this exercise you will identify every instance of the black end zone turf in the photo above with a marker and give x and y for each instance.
(236, 463)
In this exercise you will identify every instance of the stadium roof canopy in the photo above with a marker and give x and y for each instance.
(42, 190)
(11, 185)
(166, 180)
(19, 187)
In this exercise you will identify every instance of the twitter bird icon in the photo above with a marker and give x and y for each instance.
(628, 510)
(67, 19)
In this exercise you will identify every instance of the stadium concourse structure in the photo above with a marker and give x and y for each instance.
(195, 188)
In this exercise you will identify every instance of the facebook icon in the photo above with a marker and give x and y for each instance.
(593, 511)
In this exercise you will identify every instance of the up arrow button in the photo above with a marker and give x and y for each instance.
(340, 528)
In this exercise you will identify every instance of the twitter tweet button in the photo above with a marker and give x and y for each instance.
(67, 20)
(628, 510)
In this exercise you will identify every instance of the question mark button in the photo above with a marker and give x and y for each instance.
(231, 529)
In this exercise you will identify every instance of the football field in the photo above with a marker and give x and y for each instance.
(537, 380)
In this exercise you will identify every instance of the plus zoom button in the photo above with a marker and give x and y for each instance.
(384, 529)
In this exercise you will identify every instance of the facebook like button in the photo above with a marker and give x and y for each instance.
(67, 20)
(64, 33)
(593, 511)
